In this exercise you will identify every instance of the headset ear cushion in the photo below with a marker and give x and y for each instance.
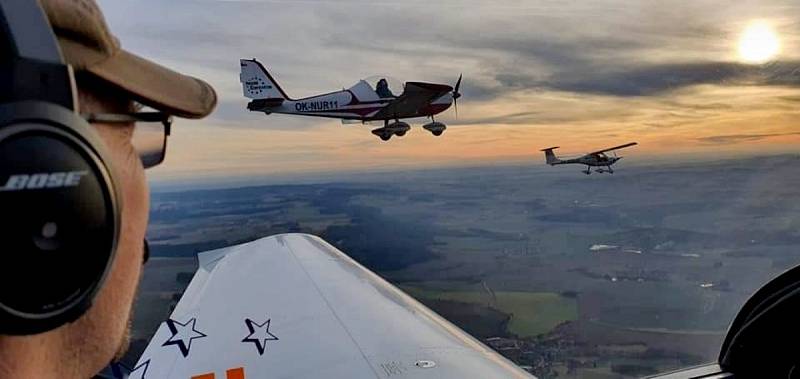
(64, 207)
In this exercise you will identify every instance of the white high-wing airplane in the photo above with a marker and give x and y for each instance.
(293, 306)
(593, 159)
(361, 102)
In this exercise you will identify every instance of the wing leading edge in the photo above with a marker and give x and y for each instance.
(613, 148)
(293, 306)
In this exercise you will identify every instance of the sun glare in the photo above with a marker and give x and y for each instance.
(758, 43)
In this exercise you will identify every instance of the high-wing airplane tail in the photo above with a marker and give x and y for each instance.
(257, 83)
(550, 157)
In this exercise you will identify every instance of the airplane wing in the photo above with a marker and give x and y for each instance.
(613, 148)
(293, 306)
(415, 96)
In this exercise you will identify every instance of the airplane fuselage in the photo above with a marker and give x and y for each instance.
(345, 105)
(590, 161)
(361, 102)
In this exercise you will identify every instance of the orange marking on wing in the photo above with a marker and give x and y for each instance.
(235, 373)
(204, 376)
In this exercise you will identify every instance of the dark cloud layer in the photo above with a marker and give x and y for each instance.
(656, 79)
(608, 55)
(604, 47)
(735, 138)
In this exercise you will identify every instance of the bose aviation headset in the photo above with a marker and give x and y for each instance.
(59, 202)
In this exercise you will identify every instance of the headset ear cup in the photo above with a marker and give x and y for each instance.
(61, 216)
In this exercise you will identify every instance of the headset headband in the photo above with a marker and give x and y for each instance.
(36, 69)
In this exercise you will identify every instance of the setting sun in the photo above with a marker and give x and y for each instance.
(759, 43)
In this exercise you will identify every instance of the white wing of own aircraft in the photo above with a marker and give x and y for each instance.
(293, 306)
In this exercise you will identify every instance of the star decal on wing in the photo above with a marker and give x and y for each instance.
(259, 334)
(121, 371)
(183, 335)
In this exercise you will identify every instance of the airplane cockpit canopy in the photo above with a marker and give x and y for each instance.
(377, 87)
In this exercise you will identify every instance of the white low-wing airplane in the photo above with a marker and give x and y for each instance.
(293, 306)
(593, 159)
(361, 102)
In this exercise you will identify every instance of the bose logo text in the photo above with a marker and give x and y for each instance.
(44, 180)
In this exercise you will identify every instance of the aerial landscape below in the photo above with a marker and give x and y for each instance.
(565, 274)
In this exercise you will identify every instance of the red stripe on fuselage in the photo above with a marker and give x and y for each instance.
(359, 111)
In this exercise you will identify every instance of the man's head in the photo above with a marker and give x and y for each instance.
(109, 81)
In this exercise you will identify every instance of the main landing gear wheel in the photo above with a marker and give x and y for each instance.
(400, 134)
(383, 133)
(436, 128)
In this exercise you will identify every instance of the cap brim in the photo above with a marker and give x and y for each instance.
(157, 86)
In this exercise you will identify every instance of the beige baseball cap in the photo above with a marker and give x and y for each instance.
(88, 45)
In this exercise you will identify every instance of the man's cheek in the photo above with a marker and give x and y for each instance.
(125, 342)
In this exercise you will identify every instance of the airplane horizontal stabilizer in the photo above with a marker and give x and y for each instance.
(262, 104)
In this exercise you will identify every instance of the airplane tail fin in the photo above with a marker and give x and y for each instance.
(257, 83)
(550, 157)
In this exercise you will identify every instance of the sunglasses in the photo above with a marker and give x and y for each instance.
(149, 134)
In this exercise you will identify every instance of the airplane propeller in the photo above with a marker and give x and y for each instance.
(457, 94)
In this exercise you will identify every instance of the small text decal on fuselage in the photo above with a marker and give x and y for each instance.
(311, 106)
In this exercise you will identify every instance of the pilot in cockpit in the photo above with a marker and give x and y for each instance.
(382, 89)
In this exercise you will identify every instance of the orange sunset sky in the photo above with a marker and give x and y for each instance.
(688, 78)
